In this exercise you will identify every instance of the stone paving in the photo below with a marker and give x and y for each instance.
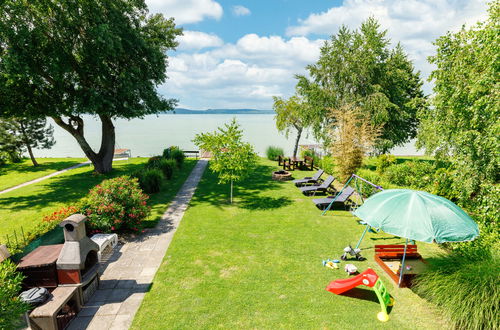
(128, 273)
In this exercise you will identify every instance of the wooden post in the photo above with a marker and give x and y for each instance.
(4, 253)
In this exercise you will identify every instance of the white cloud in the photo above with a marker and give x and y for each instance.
(196, 40)
(241, 11)
(244, 74)
(416, 24)
(186, 11)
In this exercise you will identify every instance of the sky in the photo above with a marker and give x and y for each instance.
(239, 54)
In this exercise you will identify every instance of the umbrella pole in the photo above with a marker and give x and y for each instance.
(403, 265)
(362, 236)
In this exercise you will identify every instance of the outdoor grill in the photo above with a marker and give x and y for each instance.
(69, 271)
(77, 264)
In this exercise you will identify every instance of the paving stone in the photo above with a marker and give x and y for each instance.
(80, 323)
(101, 322)
(109, 309)
(118, 295)
(125, 283)
(121, 322)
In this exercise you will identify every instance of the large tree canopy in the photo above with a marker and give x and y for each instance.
(463, 124)
(358, 68)
(293, 113)
(64, 59)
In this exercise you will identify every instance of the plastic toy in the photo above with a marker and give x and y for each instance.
(351, 269)
(370, 279)
(353, 252)
(333, 264)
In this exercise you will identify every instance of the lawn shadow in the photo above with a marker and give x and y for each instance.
(247, 194)
(264, 203)
(28, 167)
(364, 294)
(63, 189)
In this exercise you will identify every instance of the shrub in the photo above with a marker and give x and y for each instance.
(11, 307)
(167, 166)
(175, 153)
(384, 161)
(414, 174)
(327, 163)
(150, 180)
(116, 205)
(465, 285)
(272, 153)
(153, 162)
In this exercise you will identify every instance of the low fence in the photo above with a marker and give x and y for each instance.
(18, 241)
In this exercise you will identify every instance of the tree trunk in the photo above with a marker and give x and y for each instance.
(231, 198)
(299, 133)
(102, 160)
(27, 144)
(33, 160)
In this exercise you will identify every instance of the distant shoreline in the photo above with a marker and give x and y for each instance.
(182, 111)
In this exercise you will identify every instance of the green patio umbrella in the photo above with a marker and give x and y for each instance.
(417, 215)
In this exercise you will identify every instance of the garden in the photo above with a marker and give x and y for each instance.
(253, 251)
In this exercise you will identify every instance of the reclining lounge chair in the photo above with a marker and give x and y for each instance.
(322, 203)
(307, 180)
(312, 190)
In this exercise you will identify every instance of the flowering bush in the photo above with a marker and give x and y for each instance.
(116, 205)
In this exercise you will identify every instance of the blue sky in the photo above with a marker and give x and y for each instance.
(238, 54)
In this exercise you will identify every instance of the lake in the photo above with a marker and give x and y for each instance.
(149, 136)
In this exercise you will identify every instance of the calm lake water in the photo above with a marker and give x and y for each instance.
(149, 136)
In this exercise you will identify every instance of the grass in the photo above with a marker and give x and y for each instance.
(257, 264)
(25, 207)
(13, 174)
(466, 286)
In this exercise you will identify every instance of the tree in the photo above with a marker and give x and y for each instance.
(65, 59)
(291, 114)
(31, 133)
(358, 68)
(463, 124)
(352, 136)
(10, 145)
(232, 158)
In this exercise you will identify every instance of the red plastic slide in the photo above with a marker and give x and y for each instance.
(368, 278)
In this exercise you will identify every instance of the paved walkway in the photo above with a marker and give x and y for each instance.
(129, 272)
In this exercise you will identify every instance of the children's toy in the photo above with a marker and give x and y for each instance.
(333, 264)
(370, 279)
(353, 252)
(350, 269)
(389, 257)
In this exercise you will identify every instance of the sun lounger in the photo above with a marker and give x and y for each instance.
(319, 188)
(308, 179)
(322, 203)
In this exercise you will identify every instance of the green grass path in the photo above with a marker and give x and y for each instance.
(257, 264)
(26, 206)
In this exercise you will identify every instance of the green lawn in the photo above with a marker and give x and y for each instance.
(25, 207)
(13, 174)
(257, 264)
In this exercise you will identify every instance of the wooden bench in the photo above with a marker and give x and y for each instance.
(389, 257)
(191, 153)
(58, 311)
(280, 160)
(309, 163)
